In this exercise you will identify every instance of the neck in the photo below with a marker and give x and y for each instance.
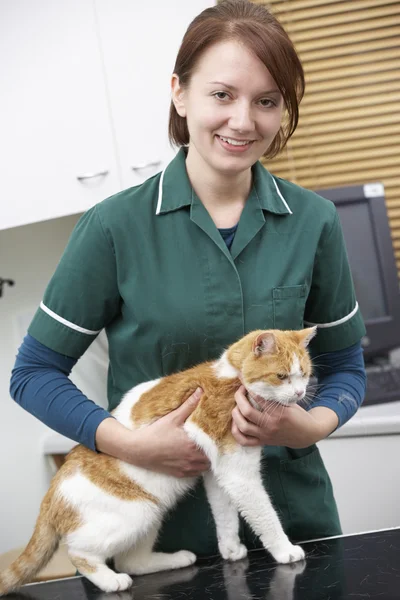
(223, 194)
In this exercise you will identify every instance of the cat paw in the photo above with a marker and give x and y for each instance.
(232, 550)
(288, 553)
(114, 582)
(181, 559)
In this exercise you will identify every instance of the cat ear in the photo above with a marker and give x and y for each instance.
(306, 335)
(264, 344)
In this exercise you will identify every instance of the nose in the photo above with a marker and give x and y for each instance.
(299, 393)
(241, 118)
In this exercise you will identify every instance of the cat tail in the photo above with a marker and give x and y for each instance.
(41, 547)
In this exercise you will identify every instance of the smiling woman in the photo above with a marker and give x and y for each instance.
(259, 35)
(230, 118)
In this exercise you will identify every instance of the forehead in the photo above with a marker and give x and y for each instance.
(292, 360)
(232, 63)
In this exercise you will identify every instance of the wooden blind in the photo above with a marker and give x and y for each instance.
(349, 128)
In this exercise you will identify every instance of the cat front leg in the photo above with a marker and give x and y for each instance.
(226, 519)
(238, 473)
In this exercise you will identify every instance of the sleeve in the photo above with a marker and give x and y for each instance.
(341, 382)
(332, 303)
(40, 384)
(82, 297)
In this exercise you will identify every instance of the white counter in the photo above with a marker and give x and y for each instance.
(378, 419)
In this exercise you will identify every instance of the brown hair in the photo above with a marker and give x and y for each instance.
(254, 26)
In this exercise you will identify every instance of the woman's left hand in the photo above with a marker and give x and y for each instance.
(276, 425)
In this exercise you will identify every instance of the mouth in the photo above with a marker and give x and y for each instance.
(234, 145)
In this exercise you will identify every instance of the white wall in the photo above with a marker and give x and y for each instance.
(28, 255)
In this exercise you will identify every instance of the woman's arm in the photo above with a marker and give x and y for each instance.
(40, 384)
(341, 382)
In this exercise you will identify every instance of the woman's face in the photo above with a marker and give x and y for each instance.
(231, 98)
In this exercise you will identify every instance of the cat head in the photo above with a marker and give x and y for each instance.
(274, 364)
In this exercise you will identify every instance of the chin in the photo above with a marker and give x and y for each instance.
(232, 165)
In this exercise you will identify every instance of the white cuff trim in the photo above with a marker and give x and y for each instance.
(67, 323)
(334, 323)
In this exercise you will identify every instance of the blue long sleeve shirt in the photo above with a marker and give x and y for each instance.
(40, 384)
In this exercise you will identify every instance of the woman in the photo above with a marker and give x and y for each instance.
(179, 267)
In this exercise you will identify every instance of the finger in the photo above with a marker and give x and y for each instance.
(185, 410)
(194, 473)
(244, 426)
(250, 413)
(199, 462)
(241, 392)
(243, 440)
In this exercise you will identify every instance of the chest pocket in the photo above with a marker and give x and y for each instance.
(288, 306)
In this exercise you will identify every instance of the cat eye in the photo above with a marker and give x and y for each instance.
(281, 376)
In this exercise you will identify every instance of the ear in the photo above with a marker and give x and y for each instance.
(177, 96)
(306, 335)
(264, 344)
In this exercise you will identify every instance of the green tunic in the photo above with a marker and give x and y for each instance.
(150, 266)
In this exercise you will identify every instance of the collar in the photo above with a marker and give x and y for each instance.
(175, 190)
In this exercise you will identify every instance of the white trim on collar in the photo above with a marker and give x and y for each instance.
(67, 323)
(333, 323)
(160, 193)
(280, 195)
(159, 202)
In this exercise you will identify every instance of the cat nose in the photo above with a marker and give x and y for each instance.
(299, 393)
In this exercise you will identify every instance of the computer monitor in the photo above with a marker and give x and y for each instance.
(362, 213)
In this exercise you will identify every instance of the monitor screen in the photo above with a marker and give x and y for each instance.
(356, 220)
(363, 215)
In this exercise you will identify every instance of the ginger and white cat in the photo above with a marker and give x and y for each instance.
(102, 507)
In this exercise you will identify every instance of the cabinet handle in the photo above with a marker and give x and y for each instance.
(91, 175)
(155, 163)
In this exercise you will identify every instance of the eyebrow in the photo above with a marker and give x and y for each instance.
(232, 87)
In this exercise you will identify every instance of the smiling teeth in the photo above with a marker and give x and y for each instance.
(234, 142)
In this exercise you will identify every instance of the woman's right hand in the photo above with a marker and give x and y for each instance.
(165, 447)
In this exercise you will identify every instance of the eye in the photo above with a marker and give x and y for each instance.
(281, 376)
(219, 94)
(267, 103)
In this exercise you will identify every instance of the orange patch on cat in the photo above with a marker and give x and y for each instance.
(213, 412)
(265, 366)
(104, 472)
(82, 564)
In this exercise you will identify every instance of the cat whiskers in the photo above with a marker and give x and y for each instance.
(307, 400)
(269, 410)
(315, 362)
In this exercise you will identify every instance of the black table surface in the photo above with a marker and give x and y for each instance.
(353, 567)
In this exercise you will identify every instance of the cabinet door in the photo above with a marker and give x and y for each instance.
(140, 42)
(54, 119)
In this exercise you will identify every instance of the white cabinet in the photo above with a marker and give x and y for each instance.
(85, 90)
(54, 117)
(139, 49)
